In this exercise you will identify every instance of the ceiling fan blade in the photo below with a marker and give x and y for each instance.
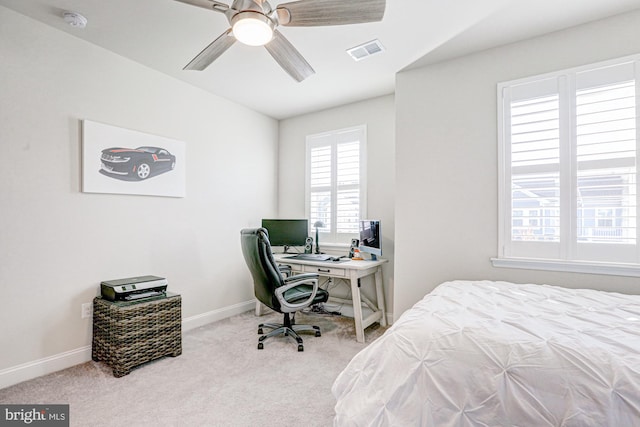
(211, 52)
(311, 13)
(288, 57)
(207, 4)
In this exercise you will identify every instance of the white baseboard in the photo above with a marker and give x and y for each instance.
(215, 315)
(57, 362)
(48, 365)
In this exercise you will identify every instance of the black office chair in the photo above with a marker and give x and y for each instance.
(285, 295)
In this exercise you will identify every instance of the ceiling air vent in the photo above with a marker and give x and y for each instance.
(366, 50)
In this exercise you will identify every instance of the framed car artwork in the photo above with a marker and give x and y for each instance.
(123, 161)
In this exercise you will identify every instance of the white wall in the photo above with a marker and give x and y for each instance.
(446, 151)
(57, 244)
(378, 114)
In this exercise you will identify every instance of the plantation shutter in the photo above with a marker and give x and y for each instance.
(535, 168)
(569, 147)
(606, 155)
(348, 187)
(335, 178)
(321, 173)
(532, 149)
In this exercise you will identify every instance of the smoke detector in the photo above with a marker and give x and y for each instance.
(75, 19)
(366, 50)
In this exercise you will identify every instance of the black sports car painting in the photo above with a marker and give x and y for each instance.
(112, 165)
(136, 163)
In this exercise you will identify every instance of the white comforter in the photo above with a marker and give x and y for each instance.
(500, 354)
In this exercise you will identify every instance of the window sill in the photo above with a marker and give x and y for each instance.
(588, 267)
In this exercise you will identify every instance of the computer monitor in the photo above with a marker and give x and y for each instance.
(370, 238)
(287, 232)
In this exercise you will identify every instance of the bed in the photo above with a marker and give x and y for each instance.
(481, 353)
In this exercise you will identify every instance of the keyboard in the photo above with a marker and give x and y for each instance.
(311, 257)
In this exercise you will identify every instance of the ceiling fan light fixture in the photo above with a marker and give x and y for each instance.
(252, 28)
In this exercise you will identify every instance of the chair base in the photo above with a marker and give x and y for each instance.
(288, 328)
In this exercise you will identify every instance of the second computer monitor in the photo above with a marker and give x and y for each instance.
(287, 232)
(370, 238)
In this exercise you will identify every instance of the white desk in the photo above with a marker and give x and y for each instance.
(352, 271)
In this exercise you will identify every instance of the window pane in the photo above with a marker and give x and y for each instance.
(349, 163)
(535, 144)
(535, 207)
(606, 206)
(535, 131)
(606, 154)
(320, 209)
(348, 214)
(321, 166)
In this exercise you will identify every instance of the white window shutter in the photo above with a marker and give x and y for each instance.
(320, 206)
(348, 188)
(335, 182)
(568, 144)
(535, 169)
(606, 163)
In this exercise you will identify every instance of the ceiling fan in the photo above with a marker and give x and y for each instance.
(255, 22)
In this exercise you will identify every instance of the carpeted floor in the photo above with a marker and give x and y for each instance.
(221, 379)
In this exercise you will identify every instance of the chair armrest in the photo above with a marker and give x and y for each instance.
(301, 278)
(292, 282)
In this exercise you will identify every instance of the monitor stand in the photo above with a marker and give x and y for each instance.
(374, 257)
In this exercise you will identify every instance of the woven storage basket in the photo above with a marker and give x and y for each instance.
(127, 334)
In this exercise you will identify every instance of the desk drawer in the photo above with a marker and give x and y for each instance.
(325, 271)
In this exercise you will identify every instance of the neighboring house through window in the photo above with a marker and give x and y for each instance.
(336, 183)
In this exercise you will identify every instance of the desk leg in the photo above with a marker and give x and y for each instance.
(259, 308)
(357, 307)
(380, 295)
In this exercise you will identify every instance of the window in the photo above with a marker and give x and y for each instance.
(336, 182)
(568, 149)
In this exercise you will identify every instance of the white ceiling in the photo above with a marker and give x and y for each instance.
(165, 35)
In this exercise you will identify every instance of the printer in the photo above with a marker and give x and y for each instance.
(133, 288)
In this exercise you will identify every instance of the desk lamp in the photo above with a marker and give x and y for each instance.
(318, 224)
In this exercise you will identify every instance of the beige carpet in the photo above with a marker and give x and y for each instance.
(221, 379)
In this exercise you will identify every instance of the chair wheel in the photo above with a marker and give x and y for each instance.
(260, 346)
(300, 347)
(260, 331)
(318, 334)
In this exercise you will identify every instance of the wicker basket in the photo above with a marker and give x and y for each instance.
(127, 334)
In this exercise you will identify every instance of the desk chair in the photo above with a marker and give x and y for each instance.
(286, 295)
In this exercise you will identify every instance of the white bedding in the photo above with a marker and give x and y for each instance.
(500, 354)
